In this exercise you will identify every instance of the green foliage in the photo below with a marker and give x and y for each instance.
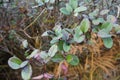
(78, 36)
(69, 8)
(103, 34)
(97, 21)
(84, 25)
(57, 58)
(26, 72)
(80, 9)
(66, 47)
(43, 55)
(65, 11)
(52, 51)
(60, 45)
(72, 59)
(108, 42)
(14, 62)
(73, 3)
(77, 29)
(72, 6)
(107, 26)
(23, 64)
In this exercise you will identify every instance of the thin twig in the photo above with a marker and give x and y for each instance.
(91, 72)
(35, 19)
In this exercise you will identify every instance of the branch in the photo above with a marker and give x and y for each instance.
(35, 19)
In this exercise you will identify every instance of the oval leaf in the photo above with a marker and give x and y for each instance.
(43, 55)
(103, 34)
(85, 25)
(78, 38)
(80, 9)
(66, 47)
(97, 21)
(14, 62)
(72, 59)
(107, 26)
(69, 8)
(26, 72)
(73, 3)
(69, 58)
(57, 58)
(108, 42)
(64, 11)
(52, 50)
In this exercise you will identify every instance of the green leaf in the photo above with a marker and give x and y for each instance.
(57, 58)
(78, 31)
(69, 58)
(69, 8)
(78, 36)
(80, 9)
(73, 3)
(66, 47)
(60, 45)
(107, 26)
(14, 62)
(53, 49)
(43, 55)
(57, 29)
(97, 21)
(79, 39)
(103, 34)
(85, 25)
(103, 12)
(36, 51)
(72, 59)
(26, 72)
(65, 35)
(64, 11)
(108, 42)
(23, 64)
(54, 40)
(93, 14)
